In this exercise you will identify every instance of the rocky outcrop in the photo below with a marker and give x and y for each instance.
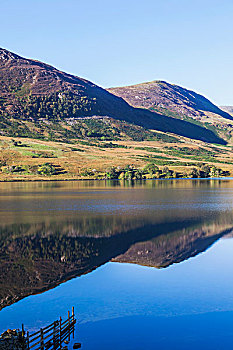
(12, 340)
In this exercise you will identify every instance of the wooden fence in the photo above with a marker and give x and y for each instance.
(52, 336)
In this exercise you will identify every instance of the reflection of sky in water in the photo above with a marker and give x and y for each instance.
(200, 285)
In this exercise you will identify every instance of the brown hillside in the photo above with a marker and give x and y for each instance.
(168, 96)
(26, 86)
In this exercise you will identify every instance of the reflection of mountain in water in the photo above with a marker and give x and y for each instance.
(163, 251)
(37, 257)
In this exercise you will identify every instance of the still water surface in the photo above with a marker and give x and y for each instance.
(146, 265)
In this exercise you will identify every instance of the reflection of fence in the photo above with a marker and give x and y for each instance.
(52, 336)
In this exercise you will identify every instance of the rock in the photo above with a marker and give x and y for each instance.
(12, 340)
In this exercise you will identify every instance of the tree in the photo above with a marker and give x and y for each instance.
(205, 170)
(151, 169)
(138, 174)
(111, 173)
(194, 173)
(167, 173)
(215, 172)
(129, 175)
(46, 169)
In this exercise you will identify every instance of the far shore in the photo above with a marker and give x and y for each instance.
(50, 179)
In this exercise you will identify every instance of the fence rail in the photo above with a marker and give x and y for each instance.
(51, 336)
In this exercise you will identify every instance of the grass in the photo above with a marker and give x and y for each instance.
(81, 155)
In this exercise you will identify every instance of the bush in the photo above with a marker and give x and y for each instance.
(46, 169)
(150, 168)
(112, 173)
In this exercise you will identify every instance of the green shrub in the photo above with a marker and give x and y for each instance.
(46, 169)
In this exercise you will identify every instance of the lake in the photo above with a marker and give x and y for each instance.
(146, 264)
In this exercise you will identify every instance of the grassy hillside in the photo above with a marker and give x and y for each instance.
(34, 95)
(168, 96)
(56, 126)
(167, 157)
(177, 102)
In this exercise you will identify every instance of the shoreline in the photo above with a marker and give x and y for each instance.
(118, 180)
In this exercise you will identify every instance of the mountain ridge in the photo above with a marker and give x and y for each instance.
(228, 109)
(181, 103)
(192, 99)
(26, 86)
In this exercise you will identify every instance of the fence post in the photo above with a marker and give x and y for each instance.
(73, 320)
(27, 340)
(23, 333)
(68, 325)
(56, 330)
(41, 339)
(60, 330)
(54, 334)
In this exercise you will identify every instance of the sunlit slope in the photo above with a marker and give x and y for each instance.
(177, 102)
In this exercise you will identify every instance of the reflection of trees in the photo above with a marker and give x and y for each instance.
(99, 226)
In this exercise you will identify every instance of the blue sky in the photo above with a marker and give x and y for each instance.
(116, 43)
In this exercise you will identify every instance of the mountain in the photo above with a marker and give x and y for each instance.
(228, 109)
(168, 96)
(177, 102)
(35, 92)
